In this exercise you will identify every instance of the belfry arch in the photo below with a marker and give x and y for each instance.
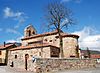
(29, 31)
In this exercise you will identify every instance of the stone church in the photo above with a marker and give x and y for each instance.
(44, 45)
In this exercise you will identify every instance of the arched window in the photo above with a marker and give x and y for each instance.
(26, 56)
(29, 32)
(50, 40)
(33, 32)
(15, 56)
(46, 40)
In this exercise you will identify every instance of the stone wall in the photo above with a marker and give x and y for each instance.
(70, 45)
(46, 65)
(41, 65)
(19, 62)
(2, 56)
(45, 39)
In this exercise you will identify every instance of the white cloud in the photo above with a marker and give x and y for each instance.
(18, 16)
(86, 31)
(13, 40)
(20, 22)
(10, 13)
(0, 29)
(66, 0)
(91, 41)
(64, 22)
(76, 1)
(9, 30)
(88, 39)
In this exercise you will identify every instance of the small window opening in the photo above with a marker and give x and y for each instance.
(0, 53)
(33, 32)
(57, 37)
(45, 39)
(29, 33)
(15, 56)
(72, 56)
(50, 40)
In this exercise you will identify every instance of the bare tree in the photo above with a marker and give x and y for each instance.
(58, 16)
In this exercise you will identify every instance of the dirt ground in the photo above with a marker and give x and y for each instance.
(5, 69)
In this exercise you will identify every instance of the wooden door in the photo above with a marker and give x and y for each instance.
(26, 58)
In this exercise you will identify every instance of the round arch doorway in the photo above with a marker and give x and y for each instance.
(26, 58)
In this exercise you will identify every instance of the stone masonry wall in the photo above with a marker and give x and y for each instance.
(2, 56)
(69, 43)
(46, 65)
(19, 62)
(41, 65)
(69, 46)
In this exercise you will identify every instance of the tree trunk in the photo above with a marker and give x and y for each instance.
(60, 44)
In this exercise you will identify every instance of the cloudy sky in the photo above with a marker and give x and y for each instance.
(15, 15)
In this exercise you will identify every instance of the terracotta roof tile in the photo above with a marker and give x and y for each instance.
(33, 46)
(6, 45)
(50, 33)
(91, 52)
(39, 35)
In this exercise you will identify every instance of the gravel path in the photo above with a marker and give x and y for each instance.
(5, 69)
(97, 70)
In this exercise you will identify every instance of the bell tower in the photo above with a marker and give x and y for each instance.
(29, 31)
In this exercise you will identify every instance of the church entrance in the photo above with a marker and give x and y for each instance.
(26, 58)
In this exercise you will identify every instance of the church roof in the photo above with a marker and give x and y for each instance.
(2, 47)
(50, 33)
(33, 46)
